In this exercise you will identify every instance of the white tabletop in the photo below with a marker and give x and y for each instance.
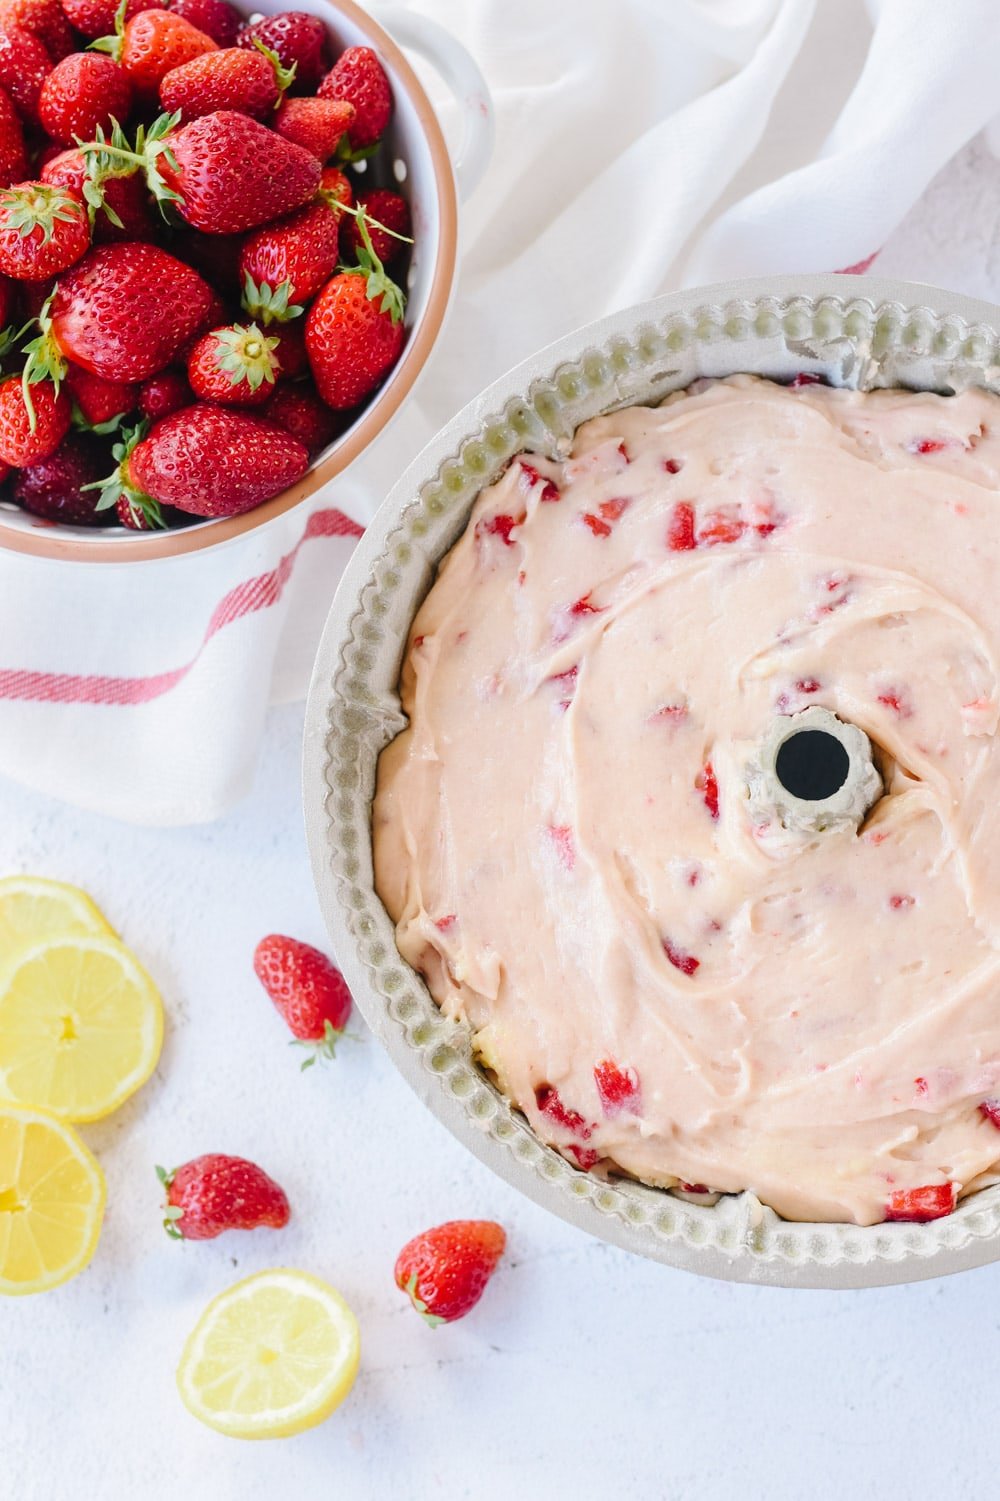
(584, 1373)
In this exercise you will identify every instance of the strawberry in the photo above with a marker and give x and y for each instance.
(46, 20)
(290, 351)
(82, 92)
(165, 393)
(335, 187)
(152, 44)
(232, 173)
(29, 434)
(43, 230)
(391, 228)
(680, 958)
(214, 1193)
(359, 77)
(445, 1270)
(7, 300)
(216, 18)
(119, 206)
(919, 1204)
(96, 18)
(124, 312)
(308, 990)
(294, 256)
(618, 1089)
(300, 412)
(13, 156)
(98, 403)
(24, 66)
(354, 331)
(316, 124)
(707, 783)
(298, 39)
(234, 366)
(54, 487)
(680, 528)
(206, 460)
(249, 82)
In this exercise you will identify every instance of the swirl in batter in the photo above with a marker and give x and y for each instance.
(667, 983)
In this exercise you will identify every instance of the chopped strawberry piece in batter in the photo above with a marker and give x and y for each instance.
(680, 529)
(686, 963)
(562, 837)
(673, 466)
(533, 477)
(895, 701)
(928, 445)
(694, 1188)
(723, 525)
(551, 1106)
(618, 1088)
(808, 378)
(585, 1156)
(807, 685)
(443, 924)
(900, 902)
(669, 714)
(584, 606)
(990, 1111)
(501, 526)
(708, 785)
(919, 1204)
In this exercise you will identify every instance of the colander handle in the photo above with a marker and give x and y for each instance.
(461, 73)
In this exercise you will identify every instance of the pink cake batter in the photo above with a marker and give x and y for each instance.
(665, 984)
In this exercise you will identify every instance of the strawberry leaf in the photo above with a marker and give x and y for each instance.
(118, 485)
(269, 304)
(244, 353)
(432, 1320)
(347, 153)
(377, 283)
(113, 44)
(283, 77)
(45, 361)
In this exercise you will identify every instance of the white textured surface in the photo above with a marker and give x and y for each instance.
(584, 1372)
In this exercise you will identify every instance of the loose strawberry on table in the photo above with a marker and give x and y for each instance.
(307, 989)
(214, 1193)
(445, 1270)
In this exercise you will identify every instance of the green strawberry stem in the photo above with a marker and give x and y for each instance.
(378, 283)
(172, 1212)
(116, 158)
(45, 361)
(349, 154)
(283, 77)
(324, 1048)
(119, 486)
(113, 44)
(269, 304)
(245, 353)
(359, 213)
(38, 206)
(432, 1320)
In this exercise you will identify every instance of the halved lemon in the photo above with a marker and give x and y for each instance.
(270, 1357)
(51, 1201)
(33, 908)
(81, 1025)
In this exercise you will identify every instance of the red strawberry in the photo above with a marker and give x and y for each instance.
(24, 66)
(550, 1104)
(300, 412)
(680, 958)
(96, 18)
(290, 352)
(308, 990)
(46, 20)
(707, 783)
(54, 487)
(359, 77)
(298, 39)
(336, 188)
(234, 173)
(99, 401)
(234, 366)
(81, 93)
(43, 230)
(27, 436)
(316, 124)
(352, 340)
(918, 1204)
(162, 394)
(151, 45)
(680, 528)
(217, 257)
(13, 156)
(296, 255)
(230, 79)
(125, 198)
(618, 1088)
(208, 461)
(216, 18)
(126, 310)
(215, 1193)
(7, 300)
(445, 1270)
(390, 210)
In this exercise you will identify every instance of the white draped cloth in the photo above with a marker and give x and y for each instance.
(641, 145)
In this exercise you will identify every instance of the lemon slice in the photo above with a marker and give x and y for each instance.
(81, 1026)
(270, 1357)
(51, 1202)
(33, 908)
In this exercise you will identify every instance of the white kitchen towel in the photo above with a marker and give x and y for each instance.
(641, 145)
